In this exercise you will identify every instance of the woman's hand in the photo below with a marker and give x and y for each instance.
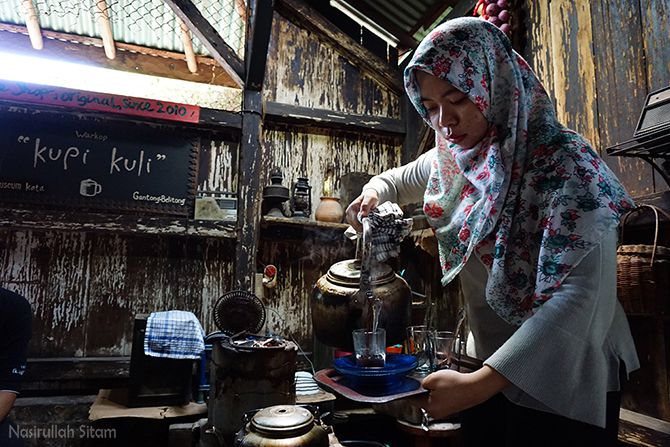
(363, 204)
(452, 391)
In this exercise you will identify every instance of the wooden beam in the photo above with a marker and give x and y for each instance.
(130, 58)
(415, 131)
(639, 429)
(249, 196)
(32, 24)
(106, 29)
(304, 15)
(290, 114)
(218, 48)
(188, 47)
(259, 36)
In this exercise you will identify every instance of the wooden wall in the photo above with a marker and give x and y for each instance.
(599, 59)
(85, 287)
(307, 71)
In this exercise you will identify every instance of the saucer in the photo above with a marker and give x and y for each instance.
(396, 365)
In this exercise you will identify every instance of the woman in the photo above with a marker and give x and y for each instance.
(526, 213)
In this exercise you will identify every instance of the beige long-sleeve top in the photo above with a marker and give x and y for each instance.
(563, 359)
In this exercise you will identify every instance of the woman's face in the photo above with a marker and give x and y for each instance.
(451, 112)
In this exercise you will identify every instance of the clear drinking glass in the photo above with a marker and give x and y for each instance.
(444, 342)
(420, 344)
(370, 347)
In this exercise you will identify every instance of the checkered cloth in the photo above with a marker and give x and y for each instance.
(174, 334)
(388, 230)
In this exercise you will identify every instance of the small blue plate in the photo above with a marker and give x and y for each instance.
(396, 365)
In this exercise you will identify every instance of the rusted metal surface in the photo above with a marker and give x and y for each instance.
(86, 288)
(305, 71)
(599, 73)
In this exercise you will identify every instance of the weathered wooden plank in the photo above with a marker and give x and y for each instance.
(129, 58)
(642, 430)
(655, 32)
(13, 219)
(304, 71)
(63, 375)
(86, 288)
(620, 71)
(303, 14)
(210, 38)
(573, 67)
(287, 113)
(538, 50)
(311, 155)
(299, 266)
(217, 165)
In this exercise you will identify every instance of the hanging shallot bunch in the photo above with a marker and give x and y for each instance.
(496, 12)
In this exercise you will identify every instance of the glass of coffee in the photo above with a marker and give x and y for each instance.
(370, 347)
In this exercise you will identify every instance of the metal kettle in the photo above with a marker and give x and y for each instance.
(340, 298)
(282, 425)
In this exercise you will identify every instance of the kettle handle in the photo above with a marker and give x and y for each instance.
(366, 258)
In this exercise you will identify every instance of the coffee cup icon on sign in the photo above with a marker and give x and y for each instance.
(89, 188)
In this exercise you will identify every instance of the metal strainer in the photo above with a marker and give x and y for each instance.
(239, 311)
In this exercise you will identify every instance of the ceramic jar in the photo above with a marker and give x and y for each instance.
(329, 210)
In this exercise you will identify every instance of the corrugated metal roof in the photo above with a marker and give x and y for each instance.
(149, 23)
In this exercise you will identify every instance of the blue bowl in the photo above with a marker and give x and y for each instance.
(381, 379)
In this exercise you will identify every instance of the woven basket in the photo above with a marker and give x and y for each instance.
(643, 272)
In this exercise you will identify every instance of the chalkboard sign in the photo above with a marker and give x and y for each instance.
(86, 162)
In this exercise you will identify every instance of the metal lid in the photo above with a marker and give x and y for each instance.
(348, 273)
(283, 421)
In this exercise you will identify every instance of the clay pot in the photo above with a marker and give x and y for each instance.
(329, 210)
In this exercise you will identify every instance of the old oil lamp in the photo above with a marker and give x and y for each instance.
(301, 202)
(274, 195)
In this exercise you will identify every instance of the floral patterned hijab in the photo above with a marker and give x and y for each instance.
(531, 199)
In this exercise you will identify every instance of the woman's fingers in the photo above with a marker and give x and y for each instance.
(369, 202)
(361, 207)
(352, 213)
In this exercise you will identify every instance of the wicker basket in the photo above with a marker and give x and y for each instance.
(643, 272)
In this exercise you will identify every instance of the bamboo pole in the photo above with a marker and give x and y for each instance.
(32, 24)
(188, 47)
(106, 29)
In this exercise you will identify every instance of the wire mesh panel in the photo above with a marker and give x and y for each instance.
(149, 23)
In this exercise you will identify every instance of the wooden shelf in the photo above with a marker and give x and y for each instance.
(299, 228)
(302, 222)
(107, 223)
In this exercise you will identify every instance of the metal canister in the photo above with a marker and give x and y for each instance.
(282, 426)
